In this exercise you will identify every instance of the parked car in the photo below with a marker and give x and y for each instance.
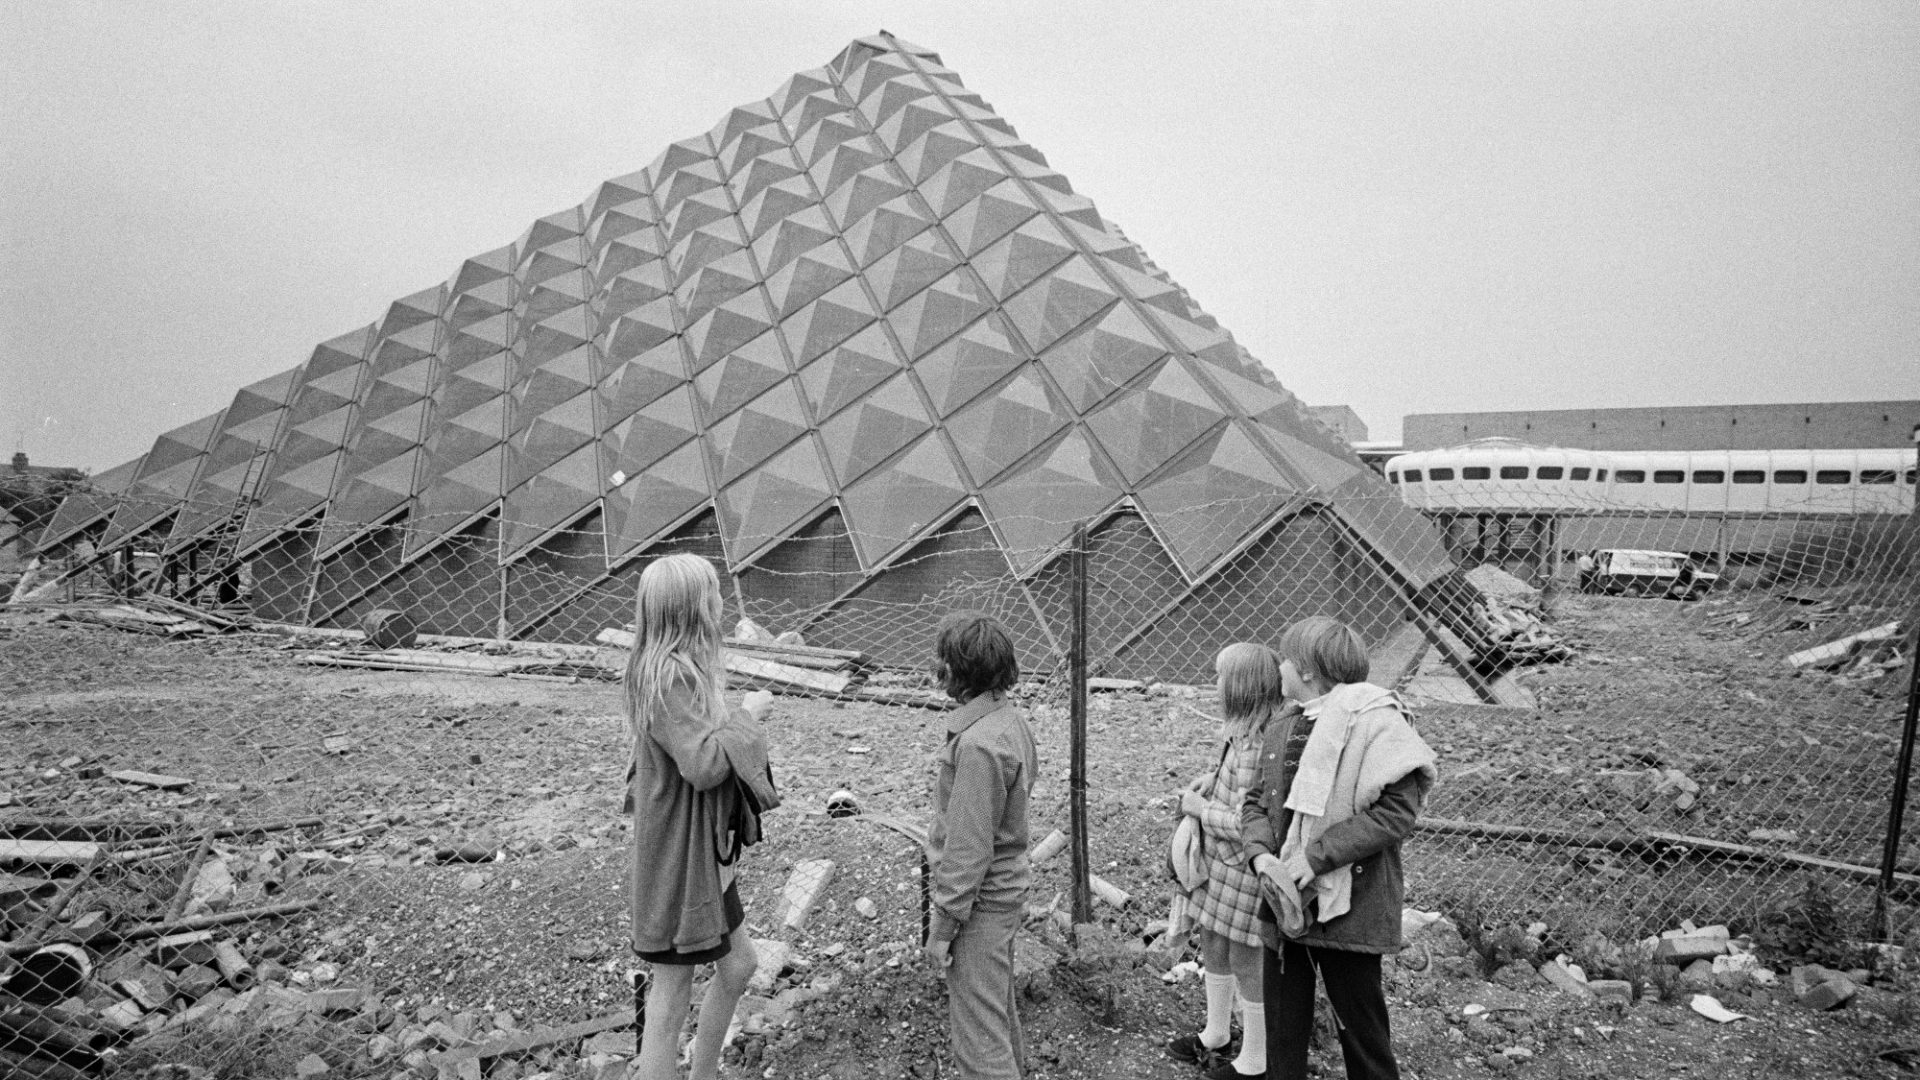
(1637, 572)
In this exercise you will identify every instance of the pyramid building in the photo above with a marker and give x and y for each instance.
(858, 342)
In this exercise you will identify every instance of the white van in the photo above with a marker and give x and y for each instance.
(1639, 572)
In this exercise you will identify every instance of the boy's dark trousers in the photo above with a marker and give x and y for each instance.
(1359, 1002)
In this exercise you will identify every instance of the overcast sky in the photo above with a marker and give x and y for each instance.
(1403, 207)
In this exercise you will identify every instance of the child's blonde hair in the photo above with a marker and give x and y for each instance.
(1326, 648)
(1249, 683)
(676, 636)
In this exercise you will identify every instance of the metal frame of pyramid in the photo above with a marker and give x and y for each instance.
(861, 308)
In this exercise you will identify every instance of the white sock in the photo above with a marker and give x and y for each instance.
(1221, 990)
(1253, 1038)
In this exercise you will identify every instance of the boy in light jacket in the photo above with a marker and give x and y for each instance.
(977, 844)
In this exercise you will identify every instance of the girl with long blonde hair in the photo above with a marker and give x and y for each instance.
(685, 904)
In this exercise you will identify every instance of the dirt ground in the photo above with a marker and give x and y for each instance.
(403, 768)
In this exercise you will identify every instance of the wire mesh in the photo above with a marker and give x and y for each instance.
(214, 835)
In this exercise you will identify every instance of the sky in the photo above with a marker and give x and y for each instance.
(1402, 207)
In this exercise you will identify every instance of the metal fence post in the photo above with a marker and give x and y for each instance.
(1896, 813)
(1077, 752)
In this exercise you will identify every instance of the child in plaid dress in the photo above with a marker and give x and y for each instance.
(1227, 904)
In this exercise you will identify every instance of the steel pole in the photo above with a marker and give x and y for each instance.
(1897, 812)
(1077, 750)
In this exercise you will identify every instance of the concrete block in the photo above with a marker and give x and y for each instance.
(1618, 991)
(1681, 949)
(1829, 994)
(1566, 981)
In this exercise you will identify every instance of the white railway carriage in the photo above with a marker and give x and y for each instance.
(1502, 474)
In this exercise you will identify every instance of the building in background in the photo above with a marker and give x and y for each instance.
(1835, 425)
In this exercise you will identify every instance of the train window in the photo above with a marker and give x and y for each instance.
(1749, 476)
(1549, 472)
(1513, 472)
(1600, 476)
(1393, 477)
(1876, 476)
(1412, 476)
(1581, 472)
(1629, 476)
(1833, 476)
(1476, 472)
(1441, 473)
(1913, 477)
(1709, 476)
(1669, 476)
(1789, 476)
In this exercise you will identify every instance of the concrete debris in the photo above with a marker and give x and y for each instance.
(1681, 947)
(1512, 619)
(1836, 653)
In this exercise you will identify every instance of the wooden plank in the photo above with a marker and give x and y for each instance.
(449, 1060)
(769, 671)
(147, 779)
(55, 852)
(794, 655)
(187, 611)
(851, 657)
(454, 661)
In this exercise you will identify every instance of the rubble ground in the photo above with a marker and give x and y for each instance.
(474, 858)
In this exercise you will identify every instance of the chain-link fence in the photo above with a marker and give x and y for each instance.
(222, 847)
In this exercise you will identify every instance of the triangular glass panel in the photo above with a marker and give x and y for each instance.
(858, 197)
(717, 284)
(1004, 426)
(1022, 257)
(740, 376)
(754, 433)
(651, 503)
(777, 203)
(1213, 498)
(1049, 308)
(768, 504)
(909, 123)
(940, 311)
(558, 495)
(895, 507)
(655, 431)
(887, 228)
(958, 371)
(730, 326)
(962, 180)
(791, 239)
(827, 322)
(864, 435)
(1036, 509)
(849, 370)
(1098, 360)
(644, 378)
(912, 267)
(1142, 429)
(990, 216)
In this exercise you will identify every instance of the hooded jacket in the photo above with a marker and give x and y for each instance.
(1348, 804)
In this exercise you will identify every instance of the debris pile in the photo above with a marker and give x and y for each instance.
(117, 931)
(1512, 618)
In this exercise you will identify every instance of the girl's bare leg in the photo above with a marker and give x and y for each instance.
(667, 1000)
(730, 977)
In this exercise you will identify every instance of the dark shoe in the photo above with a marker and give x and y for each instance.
(1224, 1071)
(1190, 1049)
